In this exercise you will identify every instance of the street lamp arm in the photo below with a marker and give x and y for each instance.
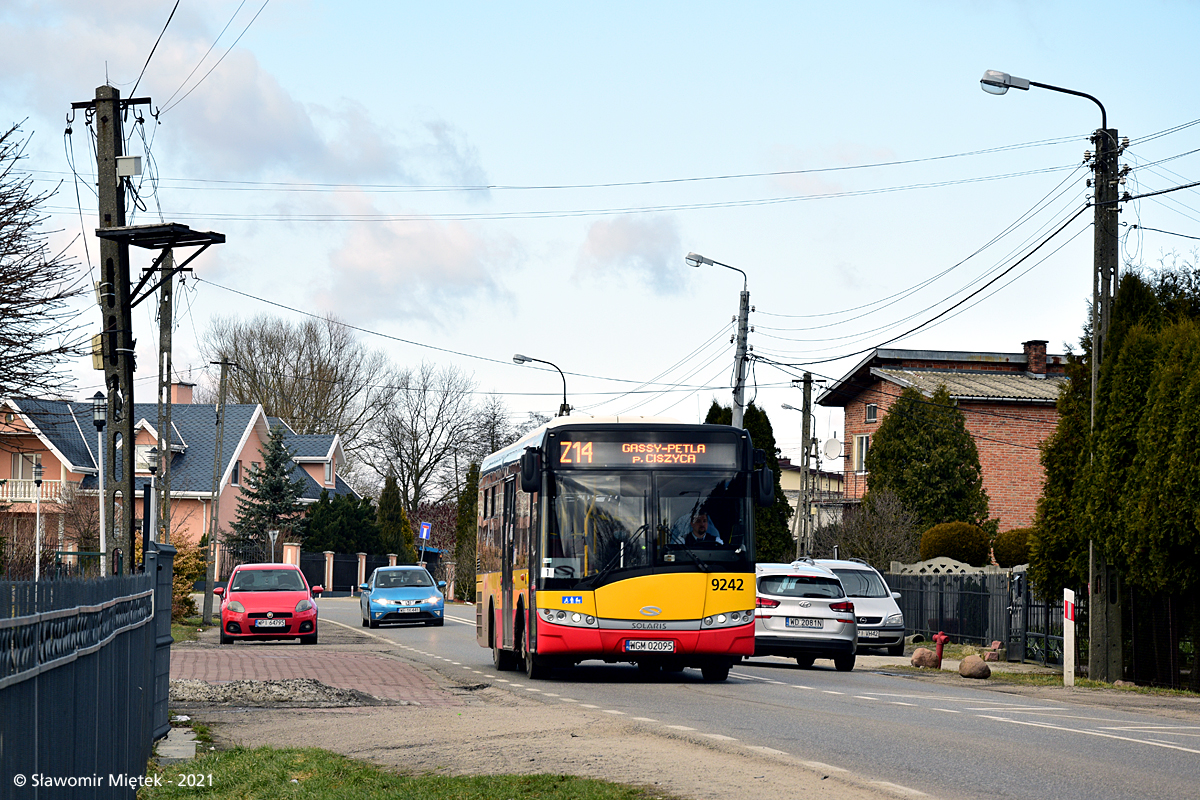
(695, 260)
(564, 409)
(1103, 113)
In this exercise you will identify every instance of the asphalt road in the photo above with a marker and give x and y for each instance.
(939, 738)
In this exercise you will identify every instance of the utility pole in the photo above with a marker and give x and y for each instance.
(117, 343)
(209, 553)
(1105, 661)
(739, 358)
(806, 480)
(166, 324)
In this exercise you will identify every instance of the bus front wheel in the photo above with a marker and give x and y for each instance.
(715, 672)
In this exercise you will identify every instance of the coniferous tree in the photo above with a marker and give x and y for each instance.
(269, 498)
(924, 455)
(343, 524)
(772, 536)
(394, 531)
(466, 525)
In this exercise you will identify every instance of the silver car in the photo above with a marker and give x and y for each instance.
(803, 613)
(880, 621)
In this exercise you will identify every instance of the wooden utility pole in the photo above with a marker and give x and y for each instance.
(166, 324)
(213, 503)
(806, 462)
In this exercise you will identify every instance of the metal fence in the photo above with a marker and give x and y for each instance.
(84, 678)
(971, 608)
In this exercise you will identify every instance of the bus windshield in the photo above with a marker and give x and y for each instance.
(613, 524)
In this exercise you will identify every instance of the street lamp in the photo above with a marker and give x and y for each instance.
(99, 414)
(1104, 659)
(564, 409)
(1106, 234)
(37, 530)
(739, 358)
(150, 528)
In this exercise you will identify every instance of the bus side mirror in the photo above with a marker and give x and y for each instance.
(531, 471)
(764, 487)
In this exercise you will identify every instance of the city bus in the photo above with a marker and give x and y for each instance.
(622, 541)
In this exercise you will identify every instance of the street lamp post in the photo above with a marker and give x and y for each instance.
(99, 414)
(564, 409)
(37, 530)
(739, 358)
(150, 528)
(1106, 234)
(1105, 661)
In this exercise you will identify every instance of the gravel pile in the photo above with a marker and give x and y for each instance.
(300, 692)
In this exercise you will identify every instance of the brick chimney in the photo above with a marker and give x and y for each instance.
(1035, 357)
(181, 393)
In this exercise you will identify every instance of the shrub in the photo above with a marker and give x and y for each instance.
(189, 568)
(1012, 547)
(961, 541)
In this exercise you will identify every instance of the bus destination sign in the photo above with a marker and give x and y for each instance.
(596, 453)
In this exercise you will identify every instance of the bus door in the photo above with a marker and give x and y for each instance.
(507, 536)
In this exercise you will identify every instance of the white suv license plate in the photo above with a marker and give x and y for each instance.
(649, 646)
(804, 622)
(270, 623)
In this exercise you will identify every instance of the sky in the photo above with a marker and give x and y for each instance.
(464, 181)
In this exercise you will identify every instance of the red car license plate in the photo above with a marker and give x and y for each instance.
(270, 623)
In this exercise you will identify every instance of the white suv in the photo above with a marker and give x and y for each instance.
(803, 613)
(880, 621)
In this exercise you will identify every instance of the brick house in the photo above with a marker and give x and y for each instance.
(1008, 404)
(59, 435)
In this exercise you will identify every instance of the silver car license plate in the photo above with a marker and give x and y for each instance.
(869, 634)
(649, 646)
(804, 622)
(270, 623)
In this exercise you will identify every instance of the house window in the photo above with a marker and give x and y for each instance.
(23, 464)
(328, 472)
(861, 445)
(236, 477)
(872, 412)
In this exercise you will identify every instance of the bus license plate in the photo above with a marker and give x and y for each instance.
(270, 623)
(649, 646)
(804, 622)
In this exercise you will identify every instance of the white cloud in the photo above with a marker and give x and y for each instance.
(646, 248)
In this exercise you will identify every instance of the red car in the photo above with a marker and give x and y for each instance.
(268, 601)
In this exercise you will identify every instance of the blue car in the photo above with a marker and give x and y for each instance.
(402, 594)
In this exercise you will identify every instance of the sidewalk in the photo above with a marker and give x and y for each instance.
(374, 673)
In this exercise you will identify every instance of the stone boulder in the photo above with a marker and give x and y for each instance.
(924, 657)
(974, 667)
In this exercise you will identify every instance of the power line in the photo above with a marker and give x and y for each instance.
(152, 49)
(219, 60)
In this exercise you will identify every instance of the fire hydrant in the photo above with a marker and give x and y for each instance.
(941, 638)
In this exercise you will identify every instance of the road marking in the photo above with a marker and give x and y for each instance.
(770, 750)
(899, 703)
(645, 719)
(898, 789)
(531, 689)
(587, 705)
(1088, 733)
(822, 767)
(549, 694)
(946, 710)
(460, 621)
(610, 711)
(680, 728)
(501, 680)
(719, 737)
(863, 697)
(830, 691)
(798, 686)
(569, 700)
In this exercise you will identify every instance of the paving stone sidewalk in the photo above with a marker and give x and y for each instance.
(383, 677)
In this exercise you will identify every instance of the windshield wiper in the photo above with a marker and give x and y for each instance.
(611, 564)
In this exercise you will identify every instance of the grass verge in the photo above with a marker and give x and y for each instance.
(267, 772)
(185, 630)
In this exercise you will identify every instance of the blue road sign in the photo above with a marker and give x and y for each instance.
(426, 527)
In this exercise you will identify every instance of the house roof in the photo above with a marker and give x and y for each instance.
(947, 363)
(1001, 386)
(67, 430)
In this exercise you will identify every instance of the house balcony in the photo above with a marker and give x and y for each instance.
(13, 490)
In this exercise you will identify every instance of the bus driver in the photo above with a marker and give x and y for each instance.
(695, 529)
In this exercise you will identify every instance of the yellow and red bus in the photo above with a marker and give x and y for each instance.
(619, 541)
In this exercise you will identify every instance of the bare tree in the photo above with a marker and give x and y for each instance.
(38, 332)
(881, 530)
(314, 375)
(425, 434)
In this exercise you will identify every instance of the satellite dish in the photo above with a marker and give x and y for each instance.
(832, 449)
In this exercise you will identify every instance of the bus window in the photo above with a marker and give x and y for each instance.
(717, 498)
(599, 523)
